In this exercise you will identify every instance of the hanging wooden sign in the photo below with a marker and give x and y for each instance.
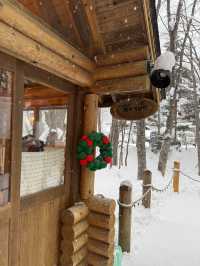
(134, 108)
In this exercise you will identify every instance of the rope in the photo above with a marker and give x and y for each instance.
(134, 203)
(189, 177)
(139, 201)
(163, 189)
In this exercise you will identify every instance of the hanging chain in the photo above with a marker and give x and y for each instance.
(189, 177)
(135, 203)
(163, 189)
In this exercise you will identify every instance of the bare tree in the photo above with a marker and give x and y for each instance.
(141, 150)
(114, 137)
(128, 143)
(176, 75)
(196, 106)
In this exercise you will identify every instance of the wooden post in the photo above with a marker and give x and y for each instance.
(90, 124)
(176, 176)
(147, 178)
(125, 197)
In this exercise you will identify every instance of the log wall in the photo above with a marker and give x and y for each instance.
(101, 231)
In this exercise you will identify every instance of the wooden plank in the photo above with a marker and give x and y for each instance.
(97, 260)
(17, 118)
(41, 197)
(70, 246)
(75, 214)
(68, 15)
(93, 23)
(104, 235)
(121, 70)
(101, 248)
(40, 234)
(137, 85)
(101, 205)
(45, 78)
(4, 240)
(90, 124)
(15, 43)
(41, 92)
(5, 213)
(57, 101)
(149, 28)
(102, 221)
(75, 259)
(75, 130)
(7, 62)
(74, 231)
(130, 55)
(18, 17)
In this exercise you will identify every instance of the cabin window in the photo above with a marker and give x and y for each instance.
(43, 149)
(6, 84)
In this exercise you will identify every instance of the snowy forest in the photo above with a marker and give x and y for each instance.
(177, 122)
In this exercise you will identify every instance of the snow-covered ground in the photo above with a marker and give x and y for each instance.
(168, 234)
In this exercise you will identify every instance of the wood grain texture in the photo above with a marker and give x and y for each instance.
(14, 14)
(40, 234)
(135, 85)
(90, 124)
(4, 240)
(28, 50)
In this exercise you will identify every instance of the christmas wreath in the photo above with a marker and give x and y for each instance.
(87, 147)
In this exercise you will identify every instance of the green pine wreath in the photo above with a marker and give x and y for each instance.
(87, 147)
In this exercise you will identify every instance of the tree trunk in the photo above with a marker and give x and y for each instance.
(196, 108)
(141, 150)
(162, 163)
(99, 120)
(114, 137)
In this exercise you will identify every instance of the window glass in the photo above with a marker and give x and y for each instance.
(44, 139)
(5, 133)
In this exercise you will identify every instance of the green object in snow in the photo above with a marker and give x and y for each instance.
(118, 256)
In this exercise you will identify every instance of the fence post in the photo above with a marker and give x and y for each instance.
(125, 213)
(176, 176)
(147, 179)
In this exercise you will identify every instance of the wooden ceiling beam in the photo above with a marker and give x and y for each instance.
(140, 84)
(46, 102)
(93, 23)
(39, 91)
(16, 44)
(131, 55)
(18, 17)
(149, 28)
(121, 70)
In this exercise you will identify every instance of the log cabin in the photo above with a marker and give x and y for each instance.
(67, 57)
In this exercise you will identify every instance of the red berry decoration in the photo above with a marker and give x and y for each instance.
(108, 159)
(89, 142)
(87, 147)
(84, 137)
(105, 140)
(90, 158)
(83, 162)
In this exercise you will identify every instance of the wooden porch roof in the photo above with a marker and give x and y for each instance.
(100, 26)
(100, 45)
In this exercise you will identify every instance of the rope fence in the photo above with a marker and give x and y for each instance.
(126, 204)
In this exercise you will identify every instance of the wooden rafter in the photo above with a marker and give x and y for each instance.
(67, 16)
(140, 84)
(21, 19)
(121, 70)
(15, 43)
(93, 23)
(149, 28)
(130, 55)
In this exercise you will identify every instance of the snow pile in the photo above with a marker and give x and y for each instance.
(167, 234)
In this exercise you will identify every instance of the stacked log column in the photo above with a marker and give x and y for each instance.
(74, 236)
(101, 231)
